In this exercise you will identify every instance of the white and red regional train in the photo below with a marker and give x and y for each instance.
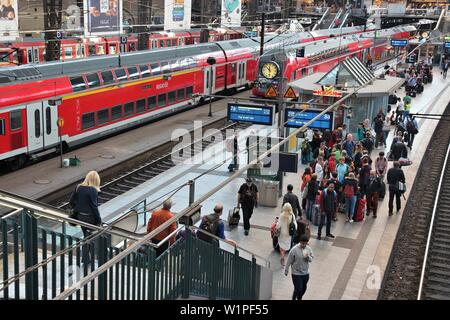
(103, 95)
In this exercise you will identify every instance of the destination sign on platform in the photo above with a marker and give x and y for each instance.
(447, 45)
(256, 114)
(296, 118)
(399, 43)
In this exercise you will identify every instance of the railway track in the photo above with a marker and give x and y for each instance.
(430, 195)
(121, 182)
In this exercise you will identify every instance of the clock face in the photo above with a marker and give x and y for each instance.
(269, 70)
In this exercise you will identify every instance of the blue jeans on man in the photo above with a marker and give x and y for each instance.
(350, 204)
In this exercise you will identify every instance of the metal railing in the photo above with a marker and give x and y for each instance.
(336, 17)
(319, 23)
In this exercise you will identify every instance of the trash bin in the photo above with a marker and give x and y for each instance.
(268, 193)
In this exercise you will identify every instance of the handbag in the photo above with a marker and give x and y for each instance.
(401, 187)
(73, 215)
(292, 228)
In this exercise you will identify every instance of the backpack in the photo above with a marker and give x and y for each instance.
(208, 224)
(349, 191)
(410, 127)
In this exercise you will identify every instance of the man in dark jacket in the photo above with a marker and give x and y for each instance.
(248, 198)
(292, 199)
(399, 150)
(375, 188)
(395, 175)
(378, 129)
(328, 200)
(368, 142)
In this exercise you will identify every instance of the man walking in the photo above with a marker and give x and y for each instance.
(292, 199)
(328, 200)
(394, 176)
(298, 259)
(247, 198)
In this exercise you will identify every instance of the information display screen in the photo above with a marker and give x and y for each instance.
(399, 43)
(296, 118)
(447, 45)
(256, 114)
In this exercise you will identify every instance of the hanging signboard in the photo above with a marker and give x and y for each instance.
(399, 43)
(327, 92)
(102, 17)
(296, 118)
(257, 114)
(447, 45)
(9, 20)
(177, 14)
(231, 13)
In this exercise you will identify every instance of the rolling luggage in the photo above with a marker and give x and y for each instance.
(360, 210)
(383, 191)
(419, 88)
(315, 219)
(274, 233)
(233, 217)
(412, 93)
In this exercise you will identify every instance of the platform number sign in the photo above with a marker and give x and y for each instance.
(59, 35)
(123, 40)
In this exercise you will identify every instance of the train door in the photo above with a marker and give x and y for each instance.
(241, 74)
(32, 55)
(35, 127)
(209, 80)
(50, 127)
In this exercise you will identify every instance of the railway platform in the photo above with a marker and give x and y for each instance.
(352, 265)
(40, 179)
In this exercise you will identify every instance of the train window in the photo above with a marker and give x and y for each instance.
(189, 92)
(30, 57)
(68, 52)
(161, 43)
(145, 71)
(48, 120)
(167, 43)
(78, 84)
(180, 94)
(171, 97)
(162, 100)
(133, 73)
(79, 53)
(120, 74)
(112, 49)
(303, 72)
(88, 120)
(165, 67)
(156, 70)
(128, 109)
(102, 116)
(93, 80)
(132, 46)
(116, 113)
(174, 42)
(100, 49)
(151, 103)
(37, 123)
(180, 41)
(2, 127)
(107, 77)
(91, 49)
(140, 105)
(15, 120)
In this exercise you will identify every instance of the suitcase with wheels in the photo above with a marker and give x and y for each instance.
(360, 210)
(383, 190)
(233, 217)
(315, 217)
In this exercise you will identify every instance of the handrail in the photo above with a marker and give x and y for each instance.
(337, 16)
(441, 17)
(422, 275)
(196, 205)
(48, 211)
(267, 262)
(318, 23)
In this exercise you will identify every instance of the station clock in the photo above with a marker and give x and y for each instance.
(269, 70)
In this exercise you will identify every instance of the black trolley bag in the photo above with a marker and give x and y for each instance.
(234, 217)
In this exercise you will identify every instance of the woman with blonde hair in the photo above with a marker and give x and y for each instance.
(84, 202)
(284, 224)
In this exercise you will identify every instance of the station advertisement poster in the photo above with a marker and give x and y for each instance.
(177, 14)
(231, 13)
(9, 20)
(102, 17)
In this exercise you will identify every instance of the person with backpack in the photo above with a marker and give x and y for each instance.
(350, 191)
(394, 176)
(412, 128)
(158, 218)
(327, 202)
(247, 198)
(214, 225)
(357, 156)
(375, 188)
(364, 175)
(287, 226)
(299, 259)
(312, 191)
(292, 199)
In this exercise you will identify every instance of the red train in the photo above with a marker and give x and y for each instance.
(105, 94)
(33, 50)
